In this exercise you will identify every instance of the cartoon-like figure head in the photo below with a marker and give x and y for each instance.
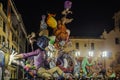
(42, 42)
(67, 4)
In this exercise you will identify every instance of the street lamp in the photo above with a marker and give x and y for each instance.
(91, 53)
(77, 53)
(104, 55)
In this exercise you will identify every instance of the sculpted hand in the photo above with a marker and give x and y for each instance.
(12, 58)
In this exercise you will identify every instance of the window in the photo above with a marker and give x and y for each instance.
(119, 22)
(85, 45)
(13, 48)
(117, 40)
(77, 45)
(118, 59)
(0, 39)
(110, 55)
(4, 26)
(3, 39)
(13, 37)
(8, 42)
(92, 46)
(1, 22)
(91, 53)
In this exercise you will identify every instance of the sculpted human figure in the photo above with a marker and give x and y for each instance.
(41, 60)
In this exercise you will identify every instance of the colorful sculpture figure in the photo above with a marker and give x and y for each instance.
(40, 59)
(43, 27)
(51, 22)
(77, 67)
(60, 32)
(40, 55)
(67, 4)
(43, 24)
(2, 62)
(85, 63)
(66, 11)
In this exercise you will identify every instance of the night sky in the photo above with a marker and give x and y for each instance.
(91, 17)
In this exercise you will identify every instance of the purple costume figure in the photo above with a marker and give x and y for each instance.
(39, 54)
(40, 59)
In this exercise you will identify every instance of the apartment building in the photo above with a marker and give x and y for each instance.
(12, 37)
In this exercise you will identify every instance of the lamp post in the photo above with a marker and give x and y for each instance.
(104, 55)
(91, 53)
(77, 53)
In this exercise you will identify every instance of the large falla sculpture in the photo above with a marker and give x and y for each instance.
(51, 46)
(47, 43)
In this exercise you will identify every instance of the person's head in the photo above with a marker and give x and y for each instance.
(42, 42)
(43, 17)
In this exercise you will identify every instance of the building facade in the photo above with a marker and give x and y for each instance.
(12, 37)
(105, 48)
